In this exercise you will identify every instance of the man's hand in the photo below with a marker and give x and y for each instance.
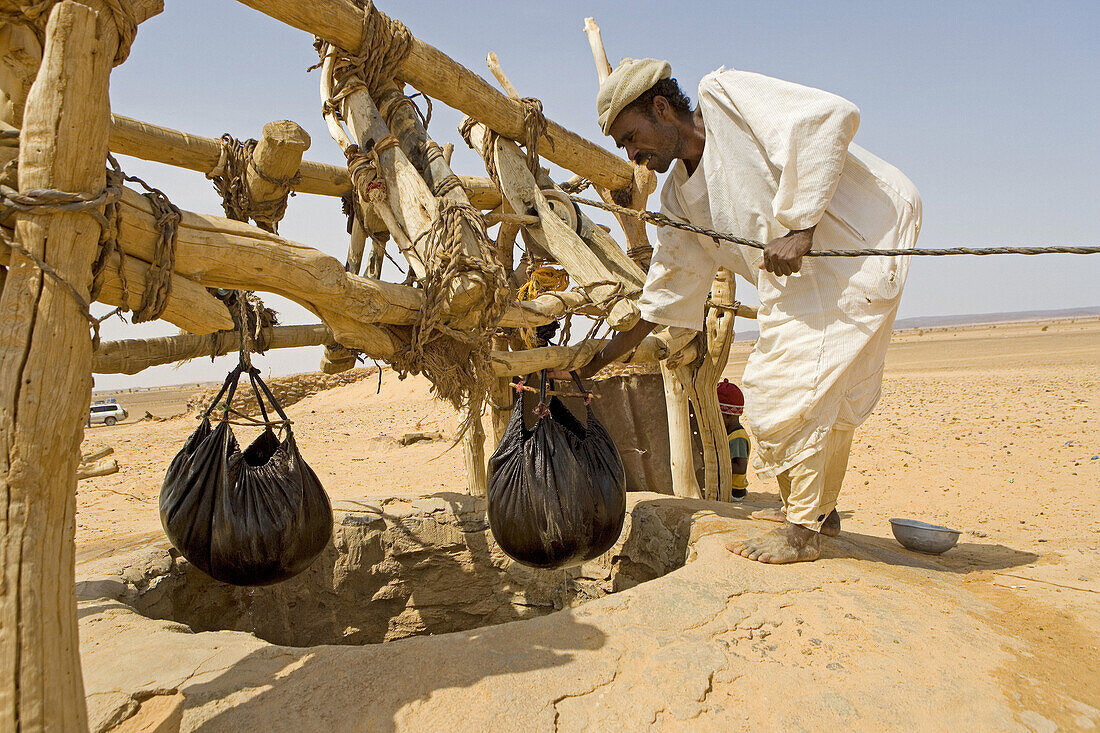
(783, 256)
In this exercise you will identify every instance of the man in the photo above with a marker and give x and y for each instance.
(773, 161)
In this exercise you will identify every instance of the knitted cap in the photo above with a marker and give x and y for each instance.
(730, 399)
(629, 81)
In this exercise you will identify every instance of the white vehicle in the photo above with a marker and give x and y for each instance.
(107, 413)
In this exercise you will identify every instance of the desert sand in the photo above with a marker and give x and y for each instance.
(991, 430)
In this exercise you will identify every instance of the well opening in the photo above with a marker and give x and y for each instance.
(402, 568)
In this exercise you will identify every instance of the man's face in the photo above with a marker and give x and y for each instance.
(650, 140)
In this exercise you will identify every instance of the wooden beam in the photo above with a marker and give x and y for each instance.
(130, 356)
(45, 372)
(182, 149)
(644, 180)
(277, 157)
(189, 306)
(431, 71)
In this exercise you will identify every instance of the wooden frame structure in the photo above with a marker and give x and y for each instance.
(53, 101)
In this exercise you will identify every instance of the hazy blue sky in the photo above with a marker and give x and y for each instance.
(992, 109)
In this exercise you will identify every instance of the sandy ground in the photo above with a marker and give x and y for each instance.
(992, 430)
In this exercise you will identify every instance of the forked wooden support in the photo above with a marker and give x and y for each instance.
(552, 234)
(704, 392)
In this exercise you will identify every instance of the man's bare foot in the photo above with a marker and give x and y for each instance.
(830, 527)
(789, 543)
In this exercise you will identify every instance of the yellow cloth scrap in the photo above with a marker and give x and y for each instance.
(543, 279)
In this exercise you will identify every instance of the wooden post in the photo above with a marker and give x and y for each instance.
(276, 158)
(644, 181)
(45, 373)
(708, 416)
(130, 356)
(340, 22)
(681, 452)
(473, 451)
(164, 145)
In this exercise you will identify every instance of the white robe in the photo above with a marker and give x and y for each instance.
(778, 157)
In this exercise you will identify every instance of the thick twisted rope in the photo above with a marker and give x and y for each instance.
(660, 220)
(385, 44)
(534, 123)
(230, 181)
(43, 202)
(455, 361)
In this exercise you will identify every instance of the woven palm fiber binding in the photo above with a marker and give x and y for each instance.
(456, 362)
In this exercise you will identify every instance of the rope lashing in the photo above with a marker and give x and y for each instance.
(660, 220)
(78, 299)
(230, 181)
(43, 202)
(456, 361)
(158, 280)
(384, 45)
(534, 123)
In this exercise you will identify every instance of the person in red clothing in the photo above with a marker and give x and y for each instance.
(732, 404)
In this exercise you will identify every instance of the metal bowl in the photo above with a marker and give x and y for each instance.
(923, 537)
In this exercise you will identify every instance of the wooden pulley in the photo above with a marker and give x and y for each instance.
(563, 206)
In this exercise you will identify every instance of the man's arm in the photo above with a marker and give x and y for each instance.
(805, 134)
(621, 343)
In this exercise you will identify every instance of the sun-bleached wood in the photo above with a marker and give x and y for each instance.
(164, 145)
(130, 356)
(100, 468)
(277, 157)
(643, 182)
(222, 253)
(704, 396)
(45, 372)
(469, 292)
(433, 72)
(600, 241)
(552, 234)
(216, 252)
(473, 452)
(682, 456)
(189, 305)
